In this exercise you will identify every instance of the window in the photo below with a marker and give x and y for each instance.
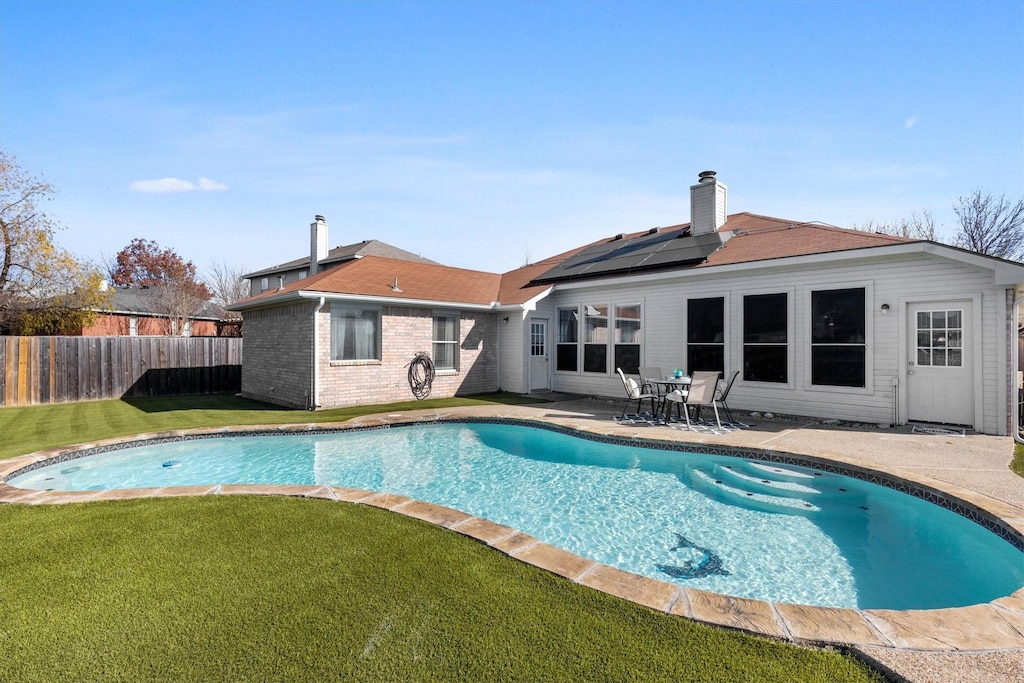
(595, 339)
(940, 337)
(765, 338)
(838, 351)
(446, 342)
(705, 334)
(302, 274)
(627, 338)
(264, 284)
(355, 334)
(567, 347)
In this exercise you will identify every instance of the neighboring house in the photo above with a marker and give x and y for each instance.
(818, 320)
(278, 276)
(136, 311)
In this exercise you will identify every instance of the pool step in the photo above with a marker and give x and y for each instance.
(706, 479)
(781, 471)
(762, 482)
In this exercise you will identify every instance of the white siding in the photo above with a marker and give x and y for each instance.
(512, 352)
(895, 282)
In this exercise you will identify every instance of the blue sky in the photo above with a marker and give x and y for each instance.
(480, 133)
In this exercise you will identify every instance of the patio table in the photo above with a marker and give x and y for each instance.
(669, 383)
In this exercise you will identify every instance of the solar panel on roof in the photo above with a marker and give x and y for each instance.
(661, 250)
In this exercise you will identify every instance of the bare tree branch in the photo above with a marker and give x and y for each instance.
(990, 225)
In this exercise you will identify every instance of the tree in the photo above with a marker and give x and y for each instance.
(916, 227)
(227, 283)
(991, 226)
(43, 288)
(228, 286)
(144, 264)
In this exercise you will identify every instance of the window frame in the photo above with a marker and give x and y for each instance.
(434, 342)
(602, 345)
(870, 311)
(378, 334)
(789, 292)
(614, 335)
(575, 310)
(726, 331)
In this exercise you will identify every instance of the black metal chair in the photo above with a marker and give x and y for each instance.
(720, 396)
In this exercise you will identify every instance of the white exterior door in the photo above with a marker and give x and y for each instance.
(539, 363)
(940, 381)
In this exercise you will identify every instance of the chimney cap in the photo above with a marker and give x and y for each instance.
(319, 219)
(706, 176)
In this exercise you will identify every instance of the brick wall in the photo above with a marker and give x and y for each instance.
(404, 333)
(276, 354)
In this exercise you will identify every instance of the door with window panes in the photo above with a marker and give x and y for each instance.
(940, 381)
(539, 363)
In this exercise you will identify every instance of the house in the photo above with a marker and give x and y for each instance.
(818, 320)
(278, 276)
(141, 311)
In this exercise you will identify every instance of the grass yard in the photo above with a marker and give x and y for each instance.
(31, 428)
(1017, 464)
(265, 588)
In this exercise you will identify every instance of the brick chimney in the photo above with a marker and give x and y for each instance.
(317, 244)
(708, 208)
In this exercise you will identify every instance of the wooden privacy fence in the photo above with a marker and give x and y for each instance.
(59, 369)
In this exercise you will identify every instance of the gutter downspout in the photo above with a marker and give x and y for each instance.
(1015, 327)
(314, 402)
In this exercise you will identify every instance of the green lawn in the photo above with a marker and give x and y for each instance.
(1017, 464)
(27, 429)
(264, 588)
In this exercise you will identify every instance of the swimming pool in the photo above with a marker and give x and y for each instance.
(754, 529)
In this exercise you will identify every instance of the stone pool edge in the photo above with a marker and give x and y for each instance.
(998, 625)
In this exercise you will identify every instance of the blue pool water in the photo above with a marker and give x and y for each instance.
(753, 529)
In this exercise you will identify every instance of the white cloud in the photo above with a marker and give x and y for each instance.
(910, 123)
(207, 185)
(170, 185)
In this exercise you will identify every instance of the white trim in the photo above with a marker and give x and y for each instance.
(869, 331)
(726, 330)
(977, 379)
(790, 293)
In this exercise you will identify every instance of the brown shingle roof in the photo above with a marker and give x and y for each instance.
(375, 276)
(344, 253)
(761, 238)
(755, 238)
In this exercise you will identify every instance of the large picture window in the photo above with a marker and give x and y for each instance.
(567, 347)
(446, 342)
(705, 334)
(595, 339)
(766, 338)
(838, 323)
(355, 334)
(627, 338)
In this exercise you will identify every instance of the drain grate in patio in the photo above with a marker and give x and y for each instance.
(937, 430)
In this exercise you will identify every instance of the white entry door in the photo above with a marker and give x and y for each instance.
(940, 381)
(539, 355)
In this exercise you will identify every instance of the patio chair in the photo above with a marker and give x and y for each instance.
(676, 397)
(702, 393)
(635, 393)
(722, 393)
(646, 377)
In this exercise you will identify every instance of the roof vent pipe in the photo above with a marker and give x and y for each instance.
(317, 243)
